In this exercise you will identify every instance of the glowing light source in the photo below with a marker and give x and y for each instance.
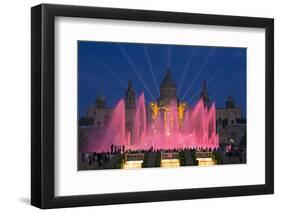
(205, 161)
(136, 164)
(154, 110)
(170, 163)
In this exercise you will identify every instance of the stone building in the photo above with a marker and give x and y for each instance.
(231, 126)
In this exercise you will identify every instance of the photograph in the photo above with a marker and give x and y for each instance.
(136, 106)
(145, 105)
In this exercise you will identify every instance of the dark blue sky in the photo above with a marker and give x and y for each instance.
(107, 67)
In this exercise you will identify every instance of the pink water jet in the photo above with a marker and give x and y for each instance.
(196, 130)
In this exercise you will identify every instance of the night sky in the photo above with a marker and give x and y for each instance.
(106, 67)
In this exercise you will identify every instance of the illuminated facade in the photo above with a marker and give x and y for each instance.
(166, 114)
(168, 95)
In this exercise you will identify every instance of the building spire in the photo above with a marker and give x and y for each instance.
(168, 73)
(205, 95)
(130, 84)
(204, 85)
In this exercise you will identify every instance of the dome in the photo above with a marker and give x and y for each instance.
(168, 89)
(230, 103)
(100, 101)
(168, 81)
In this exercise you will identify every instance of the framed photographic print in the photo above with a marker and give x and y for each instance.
(139, 106)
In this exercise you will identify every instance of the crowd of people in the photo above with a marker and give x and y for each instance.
(91, 157)
(102, 157)
(232, 151)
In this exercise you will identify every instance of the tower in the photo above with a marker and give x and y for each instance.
(98, 113)
(230, 103)
(130, 97)
(130, 106)
(232, 112)
(100, 101)
(204, 95)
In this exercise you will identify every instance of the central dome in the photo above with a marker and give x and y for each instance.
(168, 81)
(168, 89)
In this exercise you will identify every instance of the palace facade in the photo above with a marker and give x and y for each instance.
(231, 126)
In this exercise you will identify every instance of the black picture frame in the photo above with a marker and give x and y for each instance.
(43, 102)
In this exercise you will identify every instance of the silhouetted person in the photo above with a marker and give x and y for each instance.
(90, 159)
(112, 148)
(82, 157)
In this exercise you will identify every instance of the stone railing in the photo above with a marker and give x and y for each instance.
(169, 155)
(204, 155)
(134, 157)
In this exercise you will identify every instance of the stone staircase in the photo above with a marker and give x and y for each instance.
(151, 159)
(188, 159)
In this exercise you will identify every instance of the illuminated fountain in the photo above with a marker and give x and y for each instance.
(171, 127)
